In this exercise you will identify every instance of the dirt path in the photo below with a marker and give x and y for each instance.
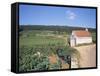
(53, 59)
(88, 55)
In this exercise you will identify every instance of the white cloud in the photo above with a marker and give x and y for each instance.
(71, 15)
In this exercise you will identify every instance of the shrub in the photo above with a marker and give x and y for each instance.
(65, 52)
(41, 63)
(29, 60)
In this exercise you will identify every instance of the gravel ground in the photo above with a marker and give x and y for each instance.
(88, 55)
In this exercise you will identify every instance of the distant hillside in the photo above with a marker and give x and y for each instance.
(53, 28)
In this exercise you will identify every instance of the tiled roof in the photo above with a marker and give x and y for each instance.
(82, 33)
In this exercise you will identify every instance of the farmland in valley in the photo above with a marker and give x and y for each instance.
(38, 46)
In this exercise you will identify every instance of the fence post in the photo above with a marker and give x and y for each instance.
(68, 60)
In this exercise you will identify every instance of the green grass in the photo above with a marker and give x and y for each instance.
(31, 38)
(39, 40)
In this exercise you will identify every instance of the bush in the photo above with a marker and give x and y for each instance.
(34, 63)
(65, 52)
(29, 60)
(41, 63)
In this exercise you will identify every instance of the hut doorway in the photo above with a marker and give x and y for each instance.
(72, 41)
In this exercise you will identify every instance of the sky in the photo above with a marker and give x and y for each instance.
(61, 16)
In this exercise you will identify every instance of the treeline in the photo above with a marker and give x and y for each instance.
(67, 29)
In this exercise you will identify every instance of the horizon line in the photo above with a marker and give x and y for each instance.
(56, 25)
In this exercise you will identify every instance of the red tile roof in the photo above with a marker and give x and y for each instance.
(82, 33)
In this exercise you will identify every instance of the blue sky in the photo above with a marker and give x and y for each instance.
(48, 15)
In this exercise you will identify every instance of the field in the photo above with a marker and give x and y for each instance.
(45, 49)
(31, 38)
